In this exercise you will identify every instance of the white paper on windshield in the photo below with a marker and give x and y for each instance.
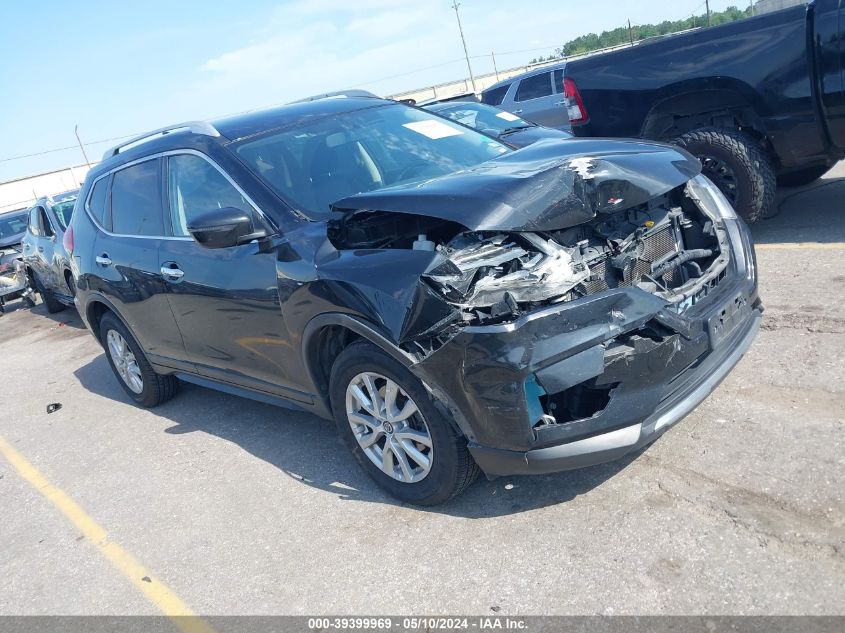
(433, 129)
(507, 116)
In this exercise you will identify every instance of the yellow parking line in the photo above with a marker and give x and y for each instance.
(794, 246)
(156, 591)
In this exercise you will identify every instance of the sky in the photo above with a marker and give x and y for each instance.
(118, 68)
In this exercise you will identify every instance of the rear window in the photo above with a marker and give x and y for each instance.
(12, 224)
(495, 96)
(558, 80)
(136, 207)
(534, 87)
(97, 200)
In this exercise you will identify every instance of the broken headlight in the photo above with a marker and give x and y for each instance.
(709, 198)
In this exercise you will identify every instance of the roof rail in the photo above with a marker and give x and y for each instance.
(197, 127)
(339, 93)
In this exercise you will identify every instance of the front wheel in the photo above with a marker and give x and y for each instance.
(134, 372)
(387, 419)
(738, 166)
(52, 304)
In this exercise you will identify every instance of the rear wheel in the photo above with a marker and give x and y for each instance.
(134, 372)
(53, 305)
(736, 164)
(803, 176)
(387, 419)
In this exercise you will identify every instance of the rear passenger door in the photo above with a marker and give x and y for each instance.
(129, 201)
(535, 99)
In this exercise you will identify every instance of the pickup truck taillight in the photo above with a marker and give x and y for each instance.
(67, 241)
(574, 105)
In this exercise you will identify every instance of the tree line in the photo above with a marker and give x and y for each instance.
(621, 35)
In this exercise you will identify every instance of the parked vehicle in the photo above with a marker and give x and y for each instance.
(495, 122)
(12, 228)
(13, 280)
(452, 303)
(44, 253)
(536, 96)
(755, 100)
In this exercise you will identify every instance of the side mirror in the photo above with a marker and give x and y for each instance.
(222, 228)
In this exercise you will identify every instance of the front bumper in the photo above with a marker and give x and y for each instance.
(652, 363)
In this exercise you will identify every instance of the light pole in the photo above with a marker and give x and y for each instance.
(707, 6)
(75, 127)
(455, 6)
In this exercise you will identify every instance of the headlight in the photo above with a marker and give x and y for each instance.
(709, 198)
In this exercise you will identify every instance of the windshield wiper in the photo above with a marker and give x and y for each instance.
(516, 128)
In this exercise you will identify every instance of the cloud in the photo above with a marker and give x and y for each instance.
(315, 46)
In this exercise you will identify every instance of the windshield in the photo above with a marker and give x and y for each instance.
(12, 224)
(317, 163)
(63, 211)
(484, 118)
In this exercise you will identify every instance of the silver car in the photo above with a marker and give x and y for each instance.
(536, 96)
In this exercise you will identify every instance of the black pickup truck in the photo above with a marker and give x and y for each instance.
(759, 101)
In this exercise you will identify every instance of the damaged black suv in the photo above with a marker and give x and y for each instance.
(452, 303)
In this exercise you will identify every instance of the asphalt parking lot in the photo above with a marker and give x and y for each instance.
(226, 506)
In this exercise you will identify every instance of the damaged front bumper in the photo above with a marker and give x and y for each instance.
(587, 381)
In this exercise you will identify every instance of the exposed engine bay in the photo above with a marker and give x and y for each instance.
(666, 246)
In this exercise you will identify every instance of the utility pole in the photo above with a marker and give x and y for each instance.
(630, 32)
(455, 6)
(496, 70)
(751, 4)
(75, 128)
(707, 6)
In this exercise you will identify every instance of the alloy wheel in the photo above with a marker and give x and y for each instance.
(124, 361)
(389, 427)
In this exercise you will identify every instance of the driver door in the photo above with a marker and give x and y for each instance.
(225, 300)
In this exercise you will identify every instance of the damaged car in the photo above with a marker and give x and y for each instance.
(454, 304)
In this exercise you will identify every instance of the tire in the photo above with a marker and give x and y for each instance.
(738, 166)
(53, 305)
(803, 176)
(451, 468)
(155, 388)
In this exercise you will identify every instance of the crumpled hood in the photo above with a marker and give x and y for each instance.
(546, 186)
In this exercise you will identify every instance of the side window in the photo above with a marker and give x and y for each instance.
(44, 221)
(34, 221)
(534, 87)
(136, 200)
(194, 187)
(97, 200)
(496, 96)
(557, 80)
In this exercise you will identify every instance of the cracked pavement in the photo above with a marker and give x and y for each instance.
(244, 508)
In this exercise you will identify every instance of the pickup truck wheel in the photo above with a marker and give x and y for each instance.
(737, 165)
(134, 372)
(387, 419)
(53, 305)
(803, 176)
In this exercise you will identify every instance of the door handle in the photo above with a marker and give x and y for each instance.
(103, 260)
(172, 273)
(560, 102)
(40, 249)
(517, 111)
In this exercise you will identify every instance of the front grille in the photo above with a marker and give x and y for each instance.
(652, 248)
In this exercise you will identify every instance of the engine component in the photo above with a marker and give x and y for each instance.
(525, 267)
